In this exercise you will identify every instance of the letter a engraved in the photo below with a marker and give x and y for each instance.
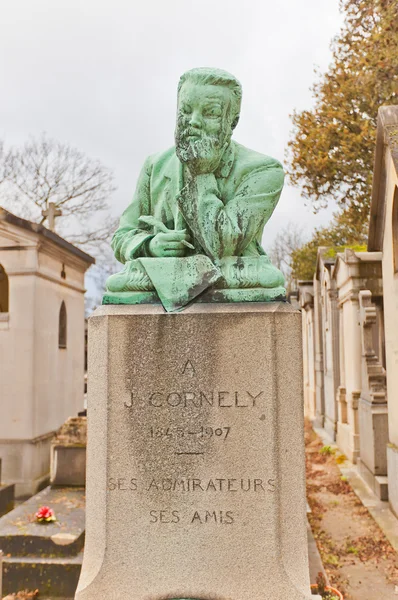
(189, 369)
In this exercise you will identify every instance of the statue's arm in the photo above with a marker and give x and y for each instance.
(226, 230)
(130, 239)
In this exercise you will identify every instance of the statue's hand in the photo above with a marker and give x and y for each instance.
(207, 163)
(201, 166)
(171, 244)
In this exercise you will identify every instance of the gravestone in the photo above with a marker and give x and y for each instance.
(7, 493)
(47, 557)
(195, 485)
(68, 453)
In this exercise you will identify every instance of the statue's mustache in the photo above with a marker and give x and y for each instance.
(191, 132)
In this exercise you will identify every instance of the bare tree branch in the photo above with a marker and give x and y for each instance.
(289, 239)
(45, 170)
(5, 164)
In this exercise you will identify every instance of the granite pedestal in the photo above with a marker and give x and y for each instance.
(195, 473)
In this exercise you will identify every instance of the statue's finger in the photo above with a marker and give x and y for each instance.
(174, 253)
(174, 236)
(174, 246)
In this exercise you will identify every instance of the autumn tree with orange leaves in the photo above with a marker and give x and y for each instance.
(330, 155)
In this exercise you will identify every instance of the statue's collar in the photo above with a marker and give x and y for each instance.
(227, 160)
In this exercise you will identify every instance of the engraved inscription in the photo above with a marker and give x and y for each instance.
(164, 516)
(122, 483)
(190, 422)
(188, 369)
(192, 485)
(218, 517)
(167, 516)
(196, 399)
(170, 433)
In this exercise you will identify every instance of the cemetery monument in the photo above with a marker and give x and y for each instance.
(195, 473)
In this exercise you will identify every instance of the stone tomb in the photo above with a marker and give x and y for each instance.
(68, 453)
(7, 492)
(195, 481)
(44, 557)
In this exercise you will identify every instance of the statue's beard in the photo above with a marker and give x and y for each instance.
(191, 145)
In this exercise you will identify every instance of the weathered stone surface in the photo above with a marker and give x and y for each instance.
(44, 557)
(68, 466)
(68, 453)
(21, 535)
(72, 433)
(54, 577)
(7, 493)
(195, 484)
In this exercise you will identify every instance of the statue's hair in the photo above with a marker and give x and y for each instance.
(210, 76)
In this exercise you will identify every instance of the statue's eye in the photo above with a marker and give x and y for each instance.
(186, 109)
(214, 111)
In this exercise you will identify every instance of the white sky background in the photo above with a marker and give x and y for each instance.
(102, 75)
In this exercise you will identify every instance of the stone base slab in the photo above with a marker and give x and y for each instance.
(7, 493)
(49, 556)
(21, 535)
(373, 436)
(54, 577)
(347, 441)
(68, 466)
(195, 472)
(26, 463)
(377, 483)
(216, 295)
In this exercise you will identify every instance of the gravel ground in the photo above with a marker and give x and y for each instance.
(358, 559)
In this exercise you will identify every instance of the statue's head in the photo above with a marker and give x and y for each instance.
(208, 108)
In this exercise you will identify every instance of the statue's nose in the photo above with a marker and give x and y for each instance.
(195, 120)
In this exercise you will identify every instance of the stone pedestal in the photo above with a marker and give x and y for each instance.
(372, 464)
(195, 481)
(373, 409)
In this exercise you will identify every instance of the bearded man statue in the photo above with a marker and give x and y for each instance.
(193, 230)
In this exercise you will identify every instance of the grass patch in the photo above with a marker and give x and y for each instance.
(327, 451)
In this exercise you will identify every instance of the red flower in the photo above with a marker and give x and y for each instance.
(45, 514)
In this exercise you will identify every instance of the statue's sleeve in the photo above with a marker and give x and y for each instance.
(227, 229)
(130, 239)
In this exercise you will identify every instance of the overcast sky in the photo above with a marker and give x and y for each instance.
(102, 75)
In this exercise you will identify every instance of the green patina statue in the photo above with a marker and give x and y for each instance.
(194, 227)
